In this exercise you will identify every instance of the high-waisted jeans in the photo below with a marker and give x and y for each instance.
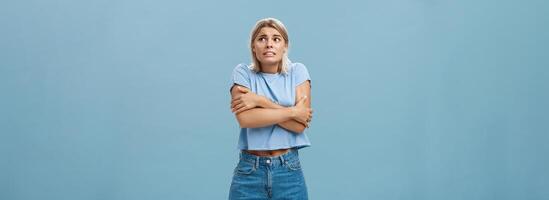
(278, 177)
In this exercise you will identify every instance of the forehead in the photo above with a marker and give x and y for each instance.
(268, 31)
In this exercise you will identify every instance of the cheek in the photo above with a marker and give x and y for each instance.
(282, 51)
(254, 50)
(255, 46)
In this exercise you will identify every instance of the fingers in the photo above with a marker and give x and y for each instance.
(237, 106)
(302, 122)
(236, 98)
(236, 102)
(306, 124)
(241, 109)
(310, 117)
(241, 96)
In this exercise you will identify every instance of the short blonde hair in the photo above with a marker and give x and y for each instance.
(276, 24)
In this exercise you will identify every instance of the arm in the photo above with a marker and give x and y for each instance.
(302, 90)
(244, 100)
(291, 125)
(249, 116)
(260, 117)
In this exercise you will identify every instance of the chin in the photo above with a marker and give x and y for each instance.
(271, 60)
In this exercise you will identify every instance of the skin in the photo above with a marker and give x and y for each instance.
(253, 111)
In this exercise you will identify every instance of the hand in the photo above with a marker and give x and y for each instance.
(302, 113)
(245, 101)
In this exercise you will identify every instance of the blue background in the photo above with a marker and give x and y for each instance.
(413, 99)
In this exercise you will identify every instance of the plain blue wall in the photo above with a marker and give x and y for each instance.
(413, 99)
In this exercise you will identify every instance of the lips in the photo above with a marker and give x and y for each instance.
(269, 53)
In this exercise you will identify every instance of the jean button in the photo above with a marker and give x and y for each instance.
(268, 161)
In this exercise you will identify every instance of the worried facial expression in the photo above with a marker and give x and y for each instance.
(269, 46)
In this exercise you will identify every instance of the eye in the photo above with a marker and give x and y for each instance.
(277, 39)
(261, 39)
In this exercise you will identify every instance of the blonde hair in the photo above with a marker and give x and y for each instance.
(276, 24)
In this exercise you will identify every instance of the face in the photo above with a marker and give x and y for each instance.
(269, 46)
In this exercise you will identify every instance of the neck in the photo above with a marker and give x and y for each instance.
(271, 69)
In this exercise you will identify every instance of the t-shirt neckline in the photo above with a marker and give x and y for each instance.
(269, 74)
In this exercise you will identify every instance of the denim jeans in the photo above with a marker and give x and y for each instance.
(258, 177)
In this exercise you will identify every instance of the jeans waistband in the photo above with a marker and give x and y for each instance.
(289, 156)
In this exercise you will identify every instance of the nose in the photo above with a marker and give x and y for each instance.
(269, 43)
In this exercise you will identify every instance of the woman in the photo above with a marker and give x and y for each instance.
(271, 100)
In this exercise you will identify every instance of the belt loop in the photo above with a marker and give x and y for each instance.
(256, 162)
(282, 159)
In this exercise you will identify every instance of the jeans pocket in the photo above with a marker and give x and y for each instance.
(293, 165)
(244, 168)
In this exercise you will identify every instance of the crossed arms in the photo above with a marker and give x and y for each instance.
(253, 111)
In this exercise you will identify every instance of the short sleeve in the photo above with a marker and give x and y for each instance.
(300, 73)
(240, 76)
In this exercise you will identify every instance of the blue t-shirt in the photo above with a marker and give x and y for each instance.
(279, 88)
